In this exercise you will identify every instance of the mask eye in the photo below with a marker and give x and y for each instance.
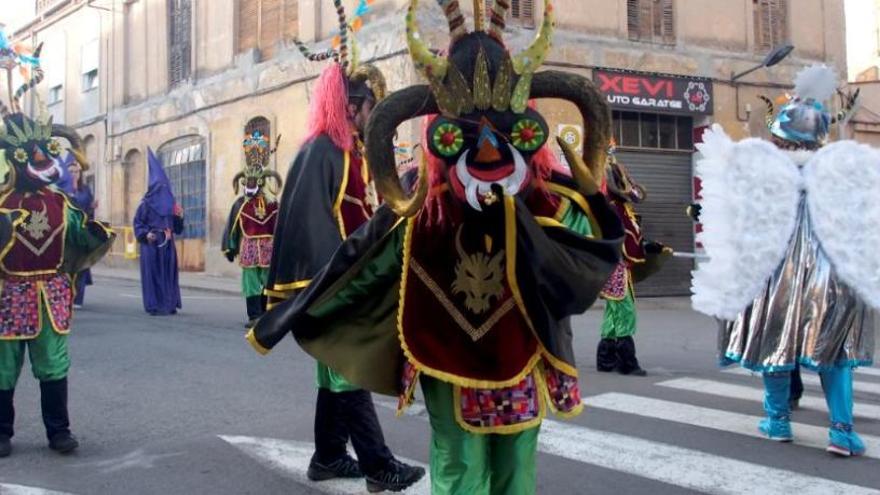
(53, 148)
(528, 135)
(448, 139)
(20, 155)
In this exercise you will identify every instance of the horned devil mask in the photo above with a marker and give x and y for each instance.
(485, 132)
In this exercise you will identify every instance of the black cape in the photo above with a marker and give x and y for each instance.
(559, 272)
(307, 232)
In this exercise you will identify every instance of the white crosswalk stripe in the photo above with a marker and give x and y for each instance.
(868, 371)
(810, 378)
(686, 468)
(743, 424)
(9, 489)
(743, 392)
(292, 459)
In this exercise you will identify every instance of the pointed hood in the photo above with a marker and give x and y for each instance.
(159, 196)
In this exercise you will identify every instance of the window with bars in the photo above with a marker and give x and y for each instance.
(653, 131)
(263, 24)
(652, 21)
(185, 166)
(179, 41)
(771, 24)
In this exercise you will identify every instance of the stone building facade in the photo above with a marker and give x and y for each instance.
(188, 77)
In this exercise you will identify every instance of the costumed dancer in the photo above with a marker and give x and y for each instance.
(328, 195)
(641, 258)
(52, 241)
(251, 224)
(466, 284)
(788, 227)
(74, 185)
(157, 220)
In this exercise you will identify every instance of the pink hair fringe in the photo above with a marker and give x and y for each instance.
(328, 110)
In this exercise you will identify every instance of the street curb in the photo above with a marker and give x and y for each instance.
(183, 285)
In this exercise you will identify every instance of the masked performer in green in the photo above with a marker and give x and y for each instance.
(466, 283)
(251, 225)
(328, 195)
(54, 241)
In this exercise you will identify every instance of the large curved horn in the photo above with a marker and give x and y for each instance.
(454, 17)
(312, 56)
(397, 108)
(849, 103)
(771, 110)
(432, 66)
(76, 143)
(4, 110)
(236, 181)
(498, 19)
(343, 34)
(530, 59)
(369, 73)
(587, 170)
(35, 79)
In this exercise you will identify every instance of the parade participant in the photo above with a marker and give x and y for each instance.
(82, 197)
(467, 283)
(251, 224)
(790, 267)
(51, 241)
(327, 196)
(617, 349)
(157, 220)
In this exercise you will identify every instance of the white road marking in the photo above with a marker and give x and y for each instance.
(715, 419)
(292, 458)
(7, 489)
(722, 389)
(137, 459)
(868, 371)
(810, 378)
(677, 466)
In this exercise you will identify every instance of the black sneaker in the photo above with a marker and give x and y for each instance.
(63, 443)
(5, 446)
(395, 477)
(344, 467)
(634, 372)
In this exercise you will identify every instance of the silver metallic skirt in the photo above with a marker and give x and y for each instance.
(805, 315)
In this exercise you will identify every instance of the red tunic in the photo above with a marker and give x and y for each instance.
(256, 220)
(29, 267)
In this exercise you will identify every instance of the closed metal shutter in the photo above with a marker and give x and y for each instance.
(667, 178)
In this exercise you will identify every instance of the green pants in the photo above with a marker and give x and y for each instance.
(475, 464)
(48, 355)
(253, 281)
(620, 317)
(331, 380)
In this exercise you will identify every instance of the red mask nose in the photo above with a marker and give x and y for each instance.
(487, 144)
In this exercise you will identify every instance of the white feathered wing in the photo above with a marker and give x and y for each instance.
(842, 182)
(751, 194)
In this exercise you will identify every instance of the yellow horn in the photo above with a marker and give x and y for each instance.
(432, 66)
(530, 59)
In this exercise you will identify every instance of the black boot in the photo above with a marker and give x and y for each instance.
(54, 402)
(7, 420)
(394, 477)
(606, 355)
(254, 309)
(626, 354)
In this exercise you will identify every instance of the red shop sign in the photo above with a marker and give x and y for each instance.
(657, 93)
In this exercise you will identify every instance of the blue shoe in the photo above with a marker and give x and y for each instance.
(843, 441)
(776, 429)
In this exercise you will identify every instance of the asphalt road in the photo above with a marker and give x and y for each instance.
(168, 405)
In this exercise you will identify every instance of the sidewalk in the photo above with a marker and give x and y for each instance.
(232, 285)
(188, 280)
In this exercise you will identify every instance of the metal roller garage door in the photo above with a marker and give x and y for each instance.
(667, 178)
